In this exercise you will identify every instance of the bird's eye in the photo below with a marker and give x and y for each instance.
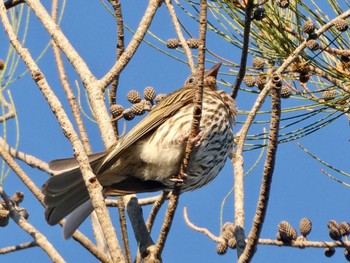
(191, 80)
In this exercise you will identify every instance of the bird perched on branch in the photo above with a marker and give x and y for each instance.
(150, 155)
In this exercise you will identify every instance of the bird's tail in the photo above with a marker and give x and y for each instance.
(66, 193)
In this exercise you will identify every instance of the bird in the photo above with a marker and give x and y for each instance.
(148, 158)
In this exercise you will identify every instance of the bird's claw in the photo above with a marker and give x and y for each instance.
(179, 180)
(196, 140)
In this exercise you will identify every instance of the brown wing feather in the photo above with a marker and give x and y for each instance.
(167, 107)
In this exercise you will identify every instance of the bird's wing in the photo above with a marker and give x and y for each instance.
(167, 107)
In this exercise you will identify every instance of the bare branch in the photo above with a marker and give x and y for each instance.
(267, 174)
(203, 230)
(197, 114)
(179, 34)
(10, 249)
(92, 184)
(26, 158)
(242, 68)
(11, 110)
(133, 45)
(39, 238)
(90, 82)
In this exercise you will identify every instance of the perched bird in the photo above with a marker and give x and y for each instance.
(150, 155)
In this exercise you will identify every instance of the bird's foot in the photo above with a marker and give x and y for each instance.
(180, 179)
(196, 140)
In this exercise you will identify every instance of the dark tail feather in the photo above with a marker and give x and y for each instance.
(66, 193)
(66, 190)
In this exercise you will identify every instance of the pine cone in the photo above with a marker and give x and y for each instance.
(334, 230)
(258, 63)
(329, 251)
(228, 231)
(309, 27)
(282, 3)
(287, 232)
(116, 110)
(249, 81)
(278, 236)
(329, 95)
(261, 81)
(304, 77)
(4, 217)
(138, 108)
(347, 254)
(134, 96)
(23, 212)
(3, 204)
(305, 226)
(193, 43)
(149, 93)
(285, 92)
(232, 243)
(259, 13)
(345, 59)
(345, 226)
(341, 25)
(128, 114)
(18, 197)
(172, 43)
(221, 248)
(2, 64)
(312, 44)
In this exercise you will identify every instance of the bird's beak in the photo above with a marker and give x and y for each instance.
(213, 71)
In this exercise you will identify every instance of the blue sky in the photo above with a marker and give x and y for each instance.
(299, 189)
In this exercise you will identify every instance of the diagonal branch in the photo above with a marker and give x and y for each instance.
(93, 186)
(182, 39)
(133, 45)
(15, 248)
(39, 238)
(267, 175)
(242, 68)
(83, 240)
(89, 80)
(197, 114)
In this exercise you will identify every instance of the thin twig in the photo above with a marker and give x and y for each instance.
(238, 154)
(267, 175)
(157, 204)
(302, 243)
(89, 80)
(120, 49)
(123, 229)
(83, 240)
(179, 34)
(141, 233)
(203, 230)
(155, 209)
(242, 68)
(135, 42)
(68, 89)
(11, 110)
(168, 219)
(39, 238)
(197, 114)
(141, 201)
(93, 186)
(26, 158)
(10, 249)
